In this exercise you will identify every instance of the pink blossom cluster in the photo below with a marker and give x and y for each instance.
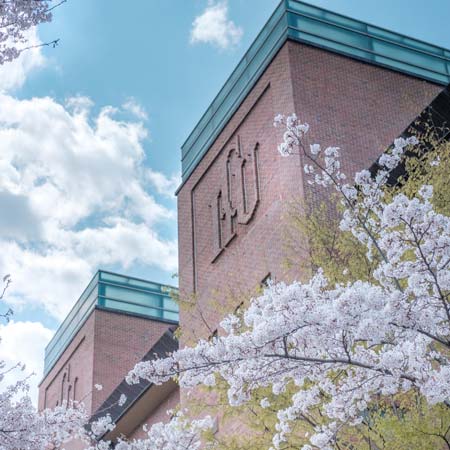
(22, 427)
(179, 433)
(16, 18)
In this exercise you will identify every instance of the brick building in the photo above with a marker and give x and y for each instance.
(117, 322)
(358, 86)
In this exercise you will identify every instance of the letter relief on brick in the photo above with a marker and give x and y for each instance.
(236, 201)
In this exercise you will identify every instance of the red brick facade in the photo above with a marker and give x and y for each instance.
(159, 415)
(74, 368)
(104, 350)
(230, 221)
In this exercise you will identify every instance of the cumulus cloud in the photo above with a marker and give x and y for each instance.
(163, 184)
(24, 342)
(47, 277)
(75, 195)
(13, 74)
(214, 27)
(17, 220)
(135, 108)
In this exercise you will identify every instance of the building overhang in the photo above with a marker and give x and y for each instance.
(300, 22)
(142, 398)
(437, 116)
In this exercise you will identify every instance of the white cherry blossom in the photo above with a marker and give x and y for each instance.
(16, 18)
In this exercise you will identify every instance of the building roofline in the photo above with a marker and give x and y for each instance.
(137, 278)
(95, 276)
(72, 319)
(414, 57)
(371, 24)
(165, 345)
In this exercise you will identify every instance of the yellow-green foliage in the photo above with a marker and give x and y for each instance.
(430, 168)
(314, 232)
(250, 426)
(407, 422)
(403, 422)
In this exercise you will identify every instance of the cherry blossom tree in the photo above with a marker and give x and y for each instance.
(17, 17)
(21, 426)
(332, 348)
(337, 347)
(6, 282)
(179, 433)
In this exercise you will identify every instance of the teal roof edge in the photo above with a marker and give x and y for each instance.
(301, 22)
(91, 299)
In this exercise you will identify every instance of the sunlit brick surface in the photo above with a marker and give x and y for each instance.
(354, 105)
(104, 350)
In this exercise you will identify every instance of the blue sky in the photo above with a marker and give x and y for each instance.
(90, 137)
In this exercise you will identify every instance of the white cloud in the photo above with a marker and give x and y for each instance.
(214, 27)
(13, 74)
(135, 108)
(123, 243)
(52, 278)
(85, 199)
(24, 342)
(23, 224)
(79, 104)
(164, 185)
(75, 195)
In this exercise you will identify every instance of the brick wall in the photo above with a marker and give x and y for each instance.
(158, 415)
(356, 106)
(74, 367)
(228, 242)
(218, 280)
(104, 350)
(120, 342)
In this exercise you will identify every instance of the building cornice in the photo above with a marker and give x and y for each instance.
(307, 24)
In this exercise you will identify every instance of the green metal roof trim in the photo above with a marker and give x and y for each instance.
(301, 22)
(112, 292)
